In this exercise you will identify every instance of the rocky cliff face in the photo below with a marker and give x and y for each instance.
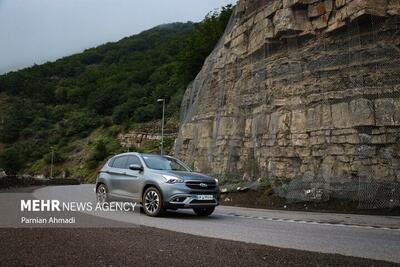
(300, 90)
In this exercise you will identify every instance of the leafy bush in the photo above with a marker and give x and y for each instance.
(102, 148)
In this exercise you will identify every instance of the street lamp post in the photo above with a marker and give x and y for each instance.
(162, 124)
(52, 162)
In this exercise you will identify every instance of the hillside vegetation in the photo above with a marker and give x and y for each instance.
(78, 104)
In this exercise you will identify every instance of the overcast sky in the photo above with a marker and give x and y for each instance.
(36, 31)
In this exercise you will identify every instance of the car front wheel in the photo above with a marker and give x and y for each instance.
(204, 211)
(102, 194)
(152, 202)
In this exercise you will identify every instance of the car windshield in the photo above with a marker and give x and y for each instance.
(156, 162)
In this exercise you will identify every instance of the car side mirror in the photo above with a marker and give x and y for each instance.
(136, 167)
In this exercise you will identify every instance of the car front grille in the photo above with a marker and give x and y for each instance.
(198, 185)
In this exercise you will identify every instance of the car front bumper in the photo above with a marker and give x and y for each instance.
(180, 196)
(182, 201)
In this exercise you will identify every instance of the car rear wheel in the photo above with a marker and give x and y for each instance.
(102, 193)
(204, 211)
(153, 203)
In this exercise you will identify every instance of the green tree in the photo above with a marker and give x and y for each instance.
(11, 160)
(100, 151)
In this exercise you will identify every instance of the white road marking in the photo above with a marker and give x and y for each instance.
(307, 222)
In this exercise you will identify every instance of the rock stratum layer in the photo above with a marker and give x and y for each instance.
(299, 89)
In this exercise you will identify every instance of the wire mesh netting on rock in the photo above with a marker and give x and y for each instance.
(367, 195)
(320, 111)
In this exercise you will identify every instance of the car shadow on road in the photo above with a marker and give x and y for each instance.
(180, 214)
(188, 215)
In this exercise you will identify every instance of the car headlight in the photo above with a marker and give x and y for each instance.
(216, 180)
(172, 179)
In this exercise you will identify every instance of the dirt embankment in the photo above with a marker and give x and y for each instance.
(265, 199)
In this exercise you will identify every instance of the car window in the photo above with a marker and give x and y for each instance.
(111, 162)
(120, 162)
(175, 166)
(157, 162)
(133, 160)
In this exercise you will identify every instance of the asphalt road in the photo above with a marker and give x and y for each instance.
(374, 237)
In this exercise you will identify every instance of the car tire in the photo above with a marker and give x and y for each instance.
(152, 202)
(204, 211)
(102, 194)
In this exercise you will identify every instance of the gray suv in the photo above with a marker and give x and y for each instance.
(158, 183)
